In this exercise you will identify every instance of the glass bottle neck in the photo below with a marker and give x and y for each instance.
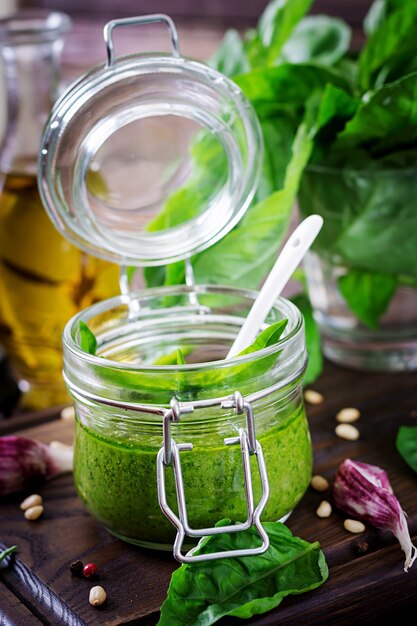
(31, 76)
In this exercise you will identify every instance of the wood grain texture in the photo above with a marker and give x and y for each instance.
(228, 12)
(26, 585)
(27, 419)
(13, 612)
(201, 18)
(361, 589)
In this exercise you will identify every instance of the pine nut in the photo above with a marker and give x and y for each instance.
(319, 483)
(348, 415)
(347, 431)
(30, 501)
(97, 595)
(68, 413)
(313, 397)
(353, 526)
(34, 512)
(324, 509)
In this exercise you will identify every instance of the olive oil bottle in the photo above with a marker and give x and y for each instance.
(44, 279)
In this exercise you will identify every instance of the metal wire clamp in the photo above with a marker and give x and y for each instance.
(135, 21)
(169, 454)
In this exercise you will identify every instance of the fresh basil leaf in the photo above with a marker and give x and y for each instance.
(175, 273)
(230, 57)
(406, 443)
(233, 376)
(243, 257)
(176, 357)
(154, 276)
(313, 340)
(348, 68)
(384, 122)
(334, 108)
(287, 87)
(277, 23)
(206, 383)
(190, 198)
(166, 359)
(203, 593)
(370, 222)
(387, 53)
(208, 175)
(378, 13)
(317, 38)
(278, 132)
(393, 5)
(375, 16)
(180, 357)
(130, 272)
(367, 294)
(254, 49)
(248, 252)
(267, 337)
(87, 339)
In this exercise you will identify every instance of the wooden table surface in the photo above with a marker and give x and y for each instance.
(362, 588)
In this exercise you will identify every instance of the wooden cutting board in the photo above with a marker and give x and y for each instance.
(362, 588)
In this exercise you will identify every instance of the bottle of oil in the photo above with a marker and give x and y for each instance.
(44, 280)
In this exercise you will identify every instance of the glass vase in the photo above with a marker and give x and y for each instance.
(362, 270)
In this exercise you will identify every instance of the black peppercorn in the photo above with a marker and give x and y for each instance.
(76, 568)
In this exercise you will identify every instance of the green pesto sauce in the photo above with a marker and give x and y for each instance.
(117, 482)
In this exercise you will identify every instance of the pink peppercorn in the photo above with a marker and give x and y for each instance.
(90, 570)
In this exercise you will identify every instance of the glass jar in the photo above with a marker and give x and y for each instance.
(179, 149)
(44, 280)
(362, 269)
(116, 444)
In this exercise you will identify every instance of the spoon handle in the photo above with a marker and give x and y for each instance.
(288, 260)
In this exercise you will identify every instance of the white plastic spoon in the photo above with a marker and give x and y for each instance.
(288, 260)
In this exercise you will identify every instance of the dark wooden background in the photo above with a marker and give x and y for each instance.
(201, 24)
(226, 11)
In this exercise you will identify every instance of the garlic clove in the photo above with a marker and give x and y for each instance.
(22, 460)
(364, 491)
(62, 455)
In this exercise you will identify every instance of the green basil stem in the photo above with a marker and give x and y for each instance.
(7, 552)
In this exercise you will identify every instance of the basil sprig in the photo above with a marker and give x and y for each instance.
(205, 592)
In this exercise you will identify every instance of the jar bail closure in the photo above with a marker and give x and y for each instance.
(169, 454)
(136, 21)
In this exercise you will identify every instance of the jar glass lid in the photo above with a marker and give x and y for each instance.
(149, 159)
